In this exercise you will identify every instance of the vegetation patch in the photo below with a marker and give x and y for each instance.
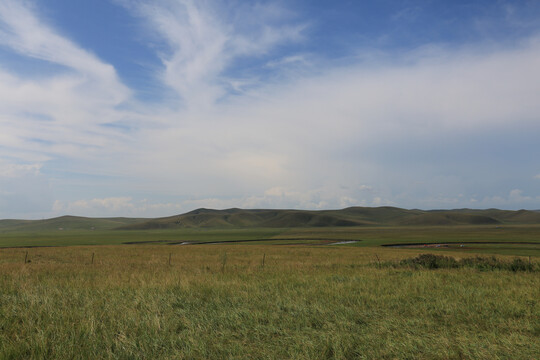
(432, 261)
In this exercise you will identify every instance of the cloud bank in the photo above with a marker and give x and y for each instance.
(416, 130)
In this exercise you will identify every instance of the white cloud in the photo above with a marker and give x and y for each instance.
(346, 201)
(298, 126)
(516, 196)
(296, 60)
(204, 38)
(113, 206)
(283, 198)
(22, 31)
(516, 199)
(95, 207)
(59, 113)
(24, 190)
(537, 176)
(276, 197)
(294, 134)
(15, 170)
(365, 188)
(311, 139)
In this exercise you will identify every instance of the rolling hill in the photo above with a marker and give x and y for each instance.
(353, 216)
(272, 218)
(66, 223)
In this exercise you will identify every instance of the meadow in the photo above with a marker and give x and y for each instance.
(236, 301)
(521, 240)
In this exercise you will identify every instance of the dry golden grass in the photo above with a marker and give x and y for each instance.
(215, 302)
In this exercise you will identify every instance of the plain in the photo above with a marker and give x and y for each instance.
(289, 295)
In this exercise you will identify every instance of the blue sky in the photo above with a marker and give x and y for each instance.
(152, 108)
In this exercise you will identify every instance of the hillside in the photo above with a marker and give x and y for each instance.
(353, 216)
(66, 223)
(272, 218)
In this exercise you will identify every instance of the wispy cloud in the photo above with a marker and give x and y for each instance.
(364, 133)
(515, 199)
(21, 30)
(60, 113)
(204, 38)
(348, 125)
(22, 188)
(16, 170)
(95, 207)
(276, 197)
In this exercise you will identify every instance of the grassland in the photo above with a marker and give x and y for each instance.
(221, 302)
(523, 240)
(275, 293)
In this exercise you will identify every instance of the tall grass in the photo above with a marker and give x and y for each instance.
(305, 303)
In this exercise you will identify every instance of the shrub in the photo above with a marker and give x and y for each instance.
(482, 263)
(432, 261)
(520, 265)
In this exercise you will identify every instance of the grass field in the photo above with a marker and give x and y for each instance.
(523, 240)
(220, 302)
(288, 295)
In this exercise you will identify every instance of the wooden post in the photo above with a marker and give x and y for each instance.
(378, 260)
(223, 262)
(26, 257)
(264, 256)
(93, 258)
(170, 254)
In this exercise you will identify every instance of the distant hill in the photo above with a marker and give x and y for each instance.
(449, 218)
(66, 223)
(271, 218)
(353, 216)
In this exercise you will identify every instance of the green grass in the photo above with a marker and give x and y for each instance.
(505, 236)
(508, 235)
(112, 237)
(219, 302)
(288, 295)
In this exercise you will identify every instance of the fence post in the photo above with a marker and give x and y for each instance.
(223, 262)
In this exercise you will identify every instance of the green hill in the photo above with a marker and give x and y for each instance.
(66, 223)
(272, 218)
(353, 216)
(449, 218)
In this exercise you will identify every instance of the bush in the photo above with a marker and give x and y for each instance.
(431, 261)
(482, 263)
(520, 265)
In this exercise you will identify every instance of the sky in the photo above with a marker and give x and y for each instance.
(147, 108)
